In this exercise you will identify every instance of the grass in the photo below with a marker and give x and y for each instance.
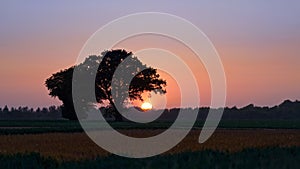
(266, 158)
(64, 126)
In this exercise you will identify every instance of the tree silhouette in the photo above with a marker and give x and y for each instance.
(5, 109)
(60, 85)
(108, 88)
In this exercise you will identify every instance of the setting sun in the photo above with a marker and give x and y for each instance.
(146, 106)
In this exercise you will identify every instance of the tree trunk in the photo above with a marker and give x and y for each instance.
(118, 115)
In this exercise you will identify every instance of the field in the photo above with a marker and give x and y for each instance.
(265, 158)
(64, 126)
(236, 144)
(77, 146)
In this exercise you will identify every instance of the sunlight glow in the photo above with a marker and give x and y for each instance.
(146, 106)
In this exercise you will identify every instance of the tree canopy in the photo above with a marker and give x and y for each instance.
(108, 88)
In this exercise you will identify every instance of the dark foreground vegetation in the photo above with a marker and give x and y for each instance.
(38, 139)
(266, 158)
(64, 126)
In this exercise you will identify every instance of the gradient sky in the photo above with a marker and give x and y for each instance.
(258, 42)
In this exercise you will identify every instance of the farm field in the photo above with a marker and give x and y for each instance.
(63, 126)
(235, 144)
(77, 146)
(266, 158)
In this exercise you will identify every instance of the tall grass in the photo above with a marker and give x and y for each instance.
(266, 158)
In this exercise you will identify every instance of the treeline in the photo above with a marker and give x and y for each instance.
(26, 113)
(288, 110)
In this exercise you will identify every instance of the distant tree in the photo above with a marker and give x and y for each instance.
(38, 110)
(25, 109)
(20, 109)
(60, 83)
(31, 110)
(5, 109)
(52, 109)
(44, 110)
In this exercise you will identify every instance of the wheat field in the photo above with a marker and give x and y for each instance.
(78, 146)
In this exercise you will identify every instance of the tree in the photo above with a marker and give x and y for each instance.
(38, 110)
(5, 109)
(60, 85)
(31, 110)
(25, 109)
(52, 109)
(107, 88)
(44, 110)
(12, 109)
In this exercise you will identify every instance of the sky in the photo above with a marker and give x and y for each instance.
(258, 43)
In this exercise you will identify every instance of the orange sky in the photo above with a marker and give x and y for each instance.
(173, 96)
(258, 43)
(264, 75)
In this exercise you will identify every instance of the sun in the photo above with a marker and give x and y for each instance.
(146, 106)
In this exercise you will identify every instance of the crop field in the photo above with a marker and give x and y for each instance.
(265, 158)
(235, 144)
(77, 146)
